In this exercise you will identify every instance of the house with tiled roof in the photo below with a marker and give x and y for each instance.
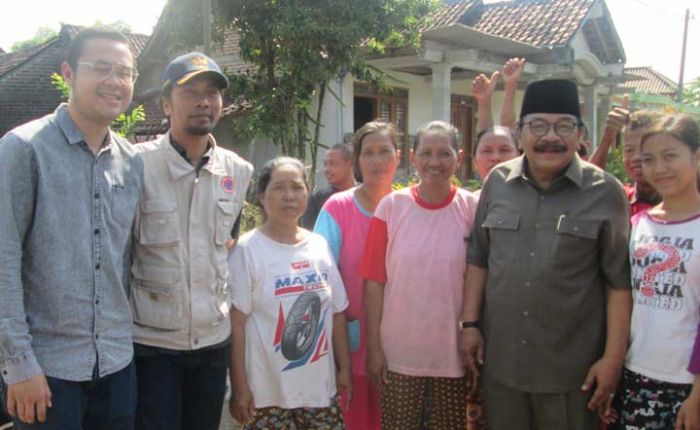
(649, 89)
(26, 91)
(572, 39)
(645, 80)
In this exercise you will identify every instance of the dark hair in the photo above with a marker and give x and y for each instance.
(493, 130)
(442, 127)
(345, 150)
(376, 126)
(75, 49)
(643, 119)
(682, 127)
(265, 175)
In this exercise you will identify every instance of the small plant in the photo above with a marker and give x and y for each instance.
(125, 123)
(60, 84)
(251, 216)
(615, 165)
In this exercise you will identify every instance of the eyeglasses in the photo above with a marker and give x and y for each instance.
(105, 69)
(563, 128)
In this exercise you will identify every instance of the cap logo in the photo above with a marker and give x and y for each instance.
(200, 61)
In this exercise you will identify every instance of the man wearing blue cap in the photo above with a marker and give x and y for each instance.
(193, 192)
(548, 278)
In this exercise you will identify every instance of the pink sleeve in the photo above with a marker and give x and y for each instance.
(373, 265)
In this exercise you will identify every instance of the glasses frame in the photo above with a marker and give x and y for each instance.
(134, 74)
(577, 125)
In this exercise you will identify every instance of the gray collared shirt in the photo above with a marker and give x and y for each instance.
(65, 228)
(550, 256)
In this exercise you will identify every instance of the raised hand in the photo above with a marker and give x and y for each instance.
(483, 87)
(512, 70)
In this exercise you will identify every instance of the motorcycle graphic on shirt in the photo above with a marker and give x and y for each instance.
(300, 334)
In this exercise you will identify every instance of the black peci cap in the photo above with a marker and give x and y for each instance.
(551, 96)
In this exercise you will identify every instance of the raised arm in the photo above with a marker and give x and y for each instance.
(482, 90)
(617, 119)
(512, 71)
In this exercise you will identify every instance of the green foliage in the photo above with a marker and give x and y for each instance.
(251, 216)
(691, 93)
(472, 184)
(615, 166)
(124, 124)
(118, 25)
(296, 47)
(42, 35)
(60, 84)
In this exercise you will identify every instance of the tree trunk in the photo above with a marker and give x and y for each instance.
(317, 132)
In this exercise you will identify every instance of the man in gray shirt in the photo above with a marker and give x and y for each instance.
(338, 169)
(548, 261)
(68, 193)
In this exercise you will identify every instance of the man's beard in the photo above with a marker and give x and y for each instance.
(199, 131)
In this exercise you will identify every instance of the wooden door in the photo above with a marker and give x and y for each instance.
(462, 117)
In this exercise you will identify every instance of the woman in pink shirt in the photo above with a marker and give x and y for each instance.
(414, 264)
(344, 222)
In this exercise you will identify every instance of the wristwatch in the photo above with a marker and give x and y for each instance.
(467, 324)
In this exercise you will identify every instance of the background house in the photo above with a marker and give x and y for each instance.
(26, 91)
(572, 39)
(650, 90)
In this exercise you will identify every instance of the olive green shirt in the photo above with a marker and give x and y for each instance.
(550, 254)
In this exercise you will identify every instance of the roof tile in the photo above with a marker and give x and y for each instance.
(542, 23)
(14, 59)
(649, 81)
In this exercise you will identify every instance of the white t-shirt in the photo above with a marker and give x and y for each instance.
(289, 293)
(665, 260)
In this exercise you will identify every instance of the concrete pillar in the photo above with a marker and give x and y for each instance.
(441, 91)
(590, 117)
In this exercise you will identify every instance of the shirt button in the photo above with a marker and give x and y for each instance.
(527, 283)
(97, 266)
(526, 313)
(541, 197)
(500, 221)
(196, 341)
(532, 254)
(575, 228)
(97, 231)
(537, 226)
(524, 342)
(97, 195)
(97, 302)
(97, 336)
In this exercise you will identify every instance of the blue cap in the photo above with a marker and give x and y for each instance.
(186, 67)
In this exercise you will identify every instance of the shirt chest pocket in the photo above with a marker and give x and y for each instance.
(159, 223)
(574, 238)
(225, 217)
(502, 228)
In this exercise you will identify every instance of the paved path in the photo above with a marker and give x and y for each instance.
(227, 422)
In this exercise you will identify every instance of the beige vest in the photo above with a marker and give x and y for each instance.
(179, 295)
